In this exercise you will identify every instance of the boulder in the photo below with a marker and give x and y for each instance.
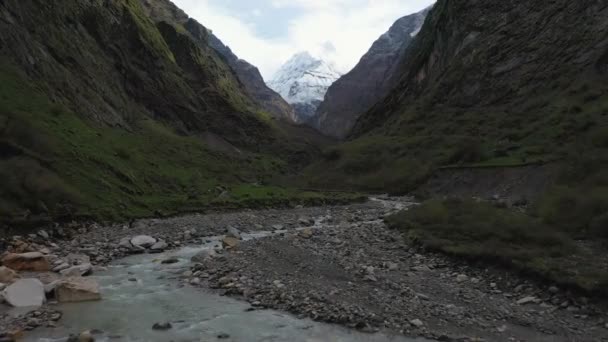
(230, 242)
(233, 232)
(526, 300)
(143, 241)
(159, 246)
(77, 271)
(417, 323)
(172, 260)
(7, 276)
(78, 259)
(61, 267)
(125, 243)
(86, 336)
(32, 261)
(25, 293)
(162, 326)
(204, 255)
(77, 289)
(306, 233)
(461, 278)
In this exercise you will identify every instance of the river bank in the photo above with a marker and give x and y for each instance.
(334, 264)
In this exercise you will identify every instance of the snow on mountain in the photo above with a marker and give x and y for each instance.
(303, 81)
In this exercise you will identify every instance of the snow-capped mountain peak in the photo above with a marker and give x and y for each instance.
(303, 81)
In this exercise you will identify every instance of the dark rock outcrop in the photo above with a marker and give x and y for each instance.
(247, 74)
(485, 83)
(369, 81)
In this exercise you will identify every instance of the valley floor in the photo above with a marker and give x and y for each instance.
(341, 264)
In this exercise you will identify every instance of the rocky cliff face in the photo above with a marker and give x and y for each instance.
(303, 81)
(110, 109)
(254, 83)
(485, 83)
(369, 81)
(247, 74)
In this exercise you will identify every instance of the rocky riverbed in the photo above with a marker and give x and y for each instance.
(331, 264)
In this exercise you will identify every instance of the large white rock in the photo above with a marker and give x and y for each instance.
(143, 241)
(25, 293)
(77, 289)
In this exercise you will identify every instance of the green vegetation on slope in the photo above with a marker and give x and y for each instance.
(56, 165)
(481, 231)
(478, 91)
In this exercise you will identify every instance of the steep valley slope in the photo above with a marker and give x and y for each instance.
(369, 81)
(247, 74)
(108, 113)
(489, 83)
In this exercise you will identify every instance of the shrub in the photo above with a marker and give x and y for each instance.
(479, 230)
(599, 226)
(573, 209)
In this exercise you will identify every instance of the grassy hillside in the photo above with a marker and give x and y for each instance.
(105, 114)
(477, 89)
(482, 232)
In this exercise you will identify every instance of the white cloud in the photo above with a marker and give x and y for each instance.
(350, 28)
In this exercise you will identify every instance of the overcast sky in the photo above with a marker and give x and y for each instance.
(268, 32)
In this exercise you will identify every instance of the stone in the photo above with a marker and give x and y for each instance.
(159, 246)
(204, 255)
(7, 275)
(554, 289)
(306, 233)
(233, 232)
(172, 260)
(162, 326)
(230, 242)
(77, 289)
(392, 266)
(223, 336)
(125, 243)
(417, 323)
(461, 278)
(61, 267)
(86, 336)
(77, 271)
(143, 241)
(526, 300)
(25, 293)
(78, 259)
(32, 261)
(50, 287)
(421, 268)
(43, 234)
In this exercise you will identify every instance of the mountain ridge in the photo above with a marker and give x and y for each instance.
(370, 80)
(107, 114)
(303, 81)
(476, 88)
(247, 74)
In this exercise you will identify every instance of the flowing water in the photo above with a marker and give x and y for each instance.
(139, 291)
